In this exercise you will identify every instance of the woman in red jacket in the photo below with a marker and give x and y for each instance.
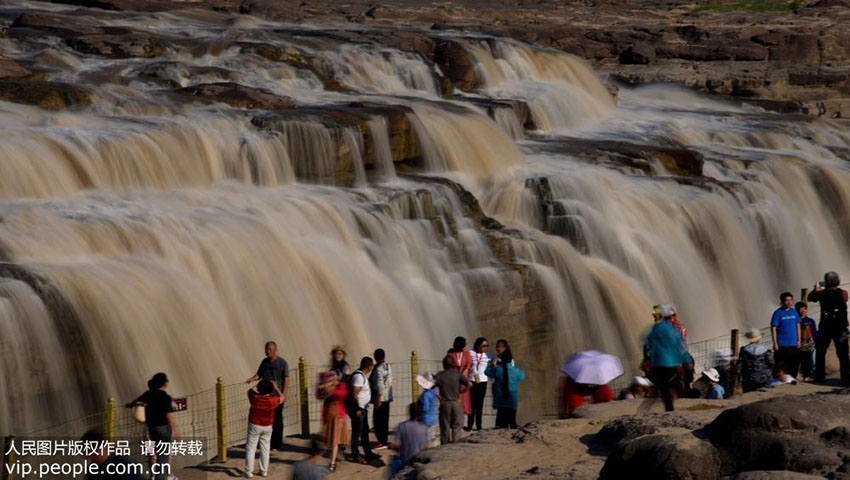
(334, 417)
(463, 364)
(263, 399)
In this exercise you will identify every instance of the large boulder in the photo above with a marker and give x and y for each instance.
(663, 457)
(801, 434)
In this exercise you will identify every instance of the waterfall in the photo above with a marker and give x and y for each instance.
(561, 90)
(145, 230)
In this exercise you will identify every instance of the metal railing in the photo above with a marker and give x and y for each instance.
(220, 415)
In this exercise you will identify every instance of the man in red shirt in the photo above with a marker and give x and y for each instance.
(264, 399)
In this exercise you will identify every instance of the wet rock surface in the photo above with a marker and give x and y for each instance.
(238, 96)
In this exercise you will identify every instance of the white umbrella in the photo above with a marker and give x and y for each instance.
(592, 367)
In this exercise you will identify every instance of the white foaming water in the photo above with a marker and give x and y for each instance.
(182, 230)
(385, 71)
(561, 90)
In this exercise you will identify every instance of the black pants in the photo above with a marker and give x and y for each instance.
(807, 364)
(790, 356)
(825, 336)
(360, 434)
(158, 434)
(381, 419)
(477, 394)
(277, 427)
(506, 418)
(666, 380)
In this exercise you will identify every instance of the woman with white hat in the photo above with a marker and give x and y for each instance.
(755, 363)
(429, 402)
(715, 391)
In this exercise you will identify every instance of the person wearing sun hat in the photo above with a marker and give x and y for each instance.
(755, 363)
(715, 391)
(429, 403)
(665, 349)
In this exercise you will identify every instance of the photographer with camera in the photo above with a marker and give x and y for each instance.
(833, 326)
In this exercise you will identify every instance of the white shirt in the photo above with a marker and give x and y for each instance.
(479, 364)
(365, 394)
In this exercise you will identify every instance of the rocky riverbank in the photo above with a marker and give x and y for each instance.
(788, 432)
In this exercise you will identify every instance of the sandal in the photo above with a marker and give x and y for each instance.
(332, 467)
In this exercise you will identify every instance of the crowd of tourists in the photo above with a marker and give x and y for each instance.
(797, 349)
(349, 392)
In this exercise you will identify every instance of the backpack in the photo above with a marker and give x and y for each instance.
(351, 405)
(833, 314)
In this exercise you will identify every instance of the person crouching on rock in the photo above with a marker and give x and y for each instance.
(782, 377)
(715, 391)
(665, 349)
(755, 363)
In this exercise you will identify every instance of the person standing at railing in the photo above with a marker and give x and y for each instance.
(359, 396)
(264, 399)
(463, 364)
(274, 369)
(665, 349)
(381, 383)
(429, 402)
(333, 391)
(785, 330)
(833, 326)
(808, 339)
(478, 377)
(506, 377)
(449, 383)
(159, 417)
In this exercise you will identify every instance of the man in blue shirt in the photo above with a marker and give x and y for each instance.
(785, 328)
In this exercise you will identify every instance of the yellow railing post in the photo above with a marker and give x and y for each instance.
(414, 370)
(303, 396)
(109, 419)
(221, 420)
(9, 458)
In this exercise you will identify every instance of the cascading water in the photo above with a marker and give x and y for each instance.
(177, 235)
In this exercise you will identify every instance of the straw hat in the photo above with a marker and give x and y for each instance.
(712, 374)
(754, 335)
(425, 380)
